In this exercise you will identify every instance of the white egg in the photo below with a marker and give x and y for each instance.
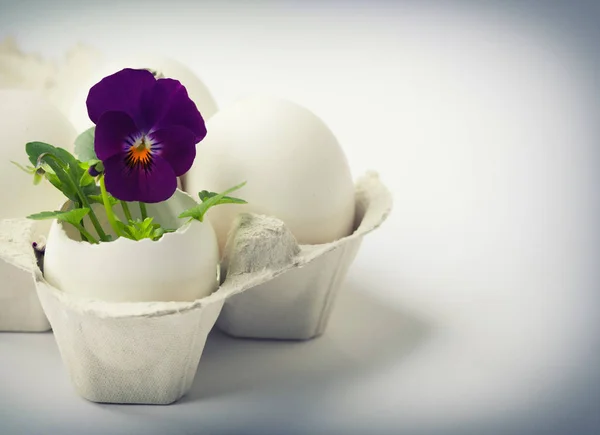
(293, 165)
(26, 117)
(169, 68)
(181, 266)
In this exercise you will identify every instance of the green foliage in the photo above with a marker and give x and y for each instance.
(68, 175)
(97, 199)
(74, 216)
(72, 177)
(211, 199)
(206, 195)
(84, 146)
(86, 179)
(27, 169)
(139, 229)
(38, 174)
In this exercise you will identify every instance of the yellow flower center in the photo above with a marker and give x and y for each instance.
(140, 152)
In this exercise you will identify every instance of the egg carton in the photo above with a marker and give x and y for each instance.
(20, 309)
(295, 302)
(148, 353)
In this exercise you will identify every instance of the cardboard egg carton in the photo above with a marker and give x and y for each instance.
(295, 302)
(272, 288)
(20, 308)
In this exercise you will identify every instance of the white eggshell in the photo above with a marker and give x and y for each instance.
(169, 68)
(293, 165)
(25, 117)
(181, 266)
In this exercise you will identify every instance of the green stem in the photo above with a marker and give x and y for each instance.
(109, 211)
(126, 211)
(91, 214)
(143, 210)
(85, 233)
(93, 217)
(83, 236)
(82, 197)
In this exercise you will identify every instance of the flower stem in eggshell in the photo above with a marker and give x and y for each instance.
(126, 211)
(109, 211)
(143, 210)
(86, 234)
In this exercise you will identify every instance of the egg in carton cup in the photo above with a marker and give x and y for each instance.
(148, 352)
(131, 317)
(296, 302)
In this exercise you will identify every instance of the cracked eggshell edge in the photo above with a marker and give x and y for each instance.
(374, 204)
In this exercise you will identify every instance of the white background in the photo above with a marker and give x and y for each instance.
(474, 308)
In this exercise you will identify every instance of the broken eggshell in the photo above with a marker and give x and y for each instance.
(180, 266)
(142, 352)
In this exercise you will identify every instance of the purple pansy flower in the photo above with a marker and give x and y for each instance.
(146, 133)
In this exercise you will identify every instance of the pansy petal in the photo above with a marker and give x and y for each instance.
(168, 104)
(115, 133)
(177, 145)
(121, 91)
(155, 184)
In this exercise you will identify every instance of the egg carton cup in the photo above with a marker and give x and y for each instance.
(20, 309)
(148, 352)
(296, 301)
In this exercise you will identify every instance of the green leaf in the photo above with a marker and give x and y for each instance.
(91, 190)
(64, 165)
(37, 150)
(139, 229)
(73, 216)
(84, 146)
(97, 199)
(38, 176)
(52, 178)
(159, 232)
(121, 227)
(205, 194)
(86, 179)
(211, 199)
(27, 169)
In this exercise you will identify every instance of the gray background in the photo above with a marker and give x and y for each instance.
(475, 308)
